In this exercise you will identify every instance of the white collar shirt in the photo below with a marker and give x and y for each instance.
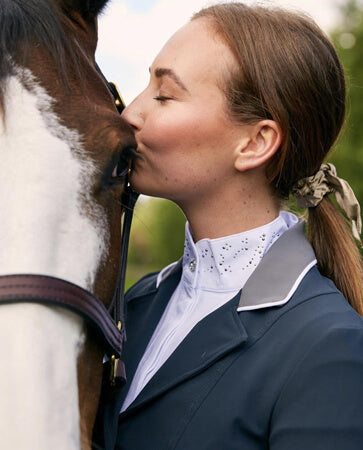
(214, 271)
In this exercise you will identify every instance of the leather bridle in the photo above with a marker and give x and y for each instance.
(47, 290)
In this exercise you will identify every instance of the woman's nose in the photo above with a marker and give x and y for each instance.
(132, 115)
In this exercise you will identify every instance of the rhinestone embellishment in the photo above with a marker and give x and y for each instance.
(192, 265)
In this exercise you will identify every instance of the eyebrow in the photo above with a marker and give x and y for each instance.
(162, 72)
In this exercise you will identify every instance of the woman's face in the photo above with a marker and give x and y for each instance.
(184, 135)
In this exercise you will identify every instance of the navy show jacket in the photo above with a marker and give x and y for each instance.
(281, 373)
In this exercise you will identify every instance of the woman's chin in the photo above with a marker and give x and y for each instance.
(139, 184)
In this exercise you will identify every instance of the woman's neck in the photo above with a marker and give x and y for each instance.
(224, 214)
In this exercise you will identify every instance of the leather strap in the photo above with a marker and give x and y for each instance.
(114, 369)
(56, 292)
(128, 199)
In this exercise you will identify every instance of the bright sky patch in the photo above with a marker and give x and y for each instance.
(141, 6)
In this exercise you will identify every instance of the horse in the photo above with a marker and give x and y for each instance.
(64, 154)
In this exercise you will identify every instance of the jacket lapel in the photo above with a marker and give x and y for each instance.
(219, 333)
(144, 312)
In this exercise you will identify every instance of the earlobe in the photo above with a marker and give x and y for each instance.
(264, 140)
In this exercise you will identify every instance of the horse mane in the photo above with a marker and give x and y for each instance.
(24, 23)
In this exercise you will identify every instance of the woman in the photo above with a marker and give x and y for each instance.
(243, 343)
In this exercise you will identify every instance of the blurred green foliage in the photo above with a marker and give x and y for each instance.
(348, 38)
(157, 237)
(158, 230)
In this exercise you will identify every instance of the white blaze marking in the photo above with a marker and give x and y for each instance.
(43, 230)
(38, 380)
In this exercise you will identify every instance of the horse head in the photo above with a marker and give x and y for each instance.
(64, 154)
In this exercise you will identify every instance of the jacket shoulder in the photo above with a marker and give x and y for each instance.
(144, 286)
(320, 295)
(316, 308)
(151, 282)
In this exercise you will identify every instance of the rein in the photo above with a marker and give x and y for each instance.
(51, 291)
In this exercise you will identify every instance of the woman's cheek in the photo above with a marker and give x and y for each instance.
(170, 129)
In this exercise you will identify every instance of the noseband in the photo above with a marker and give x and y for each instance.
(51, 291)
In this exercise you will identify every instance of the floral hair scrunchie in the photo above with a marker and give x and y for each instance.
(310, 191)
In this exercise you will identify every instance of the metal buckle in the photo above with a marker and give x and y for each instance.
(119, 102)
(114, 363)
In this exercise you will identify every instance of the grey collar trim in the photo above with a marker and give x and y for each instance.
(280, 272)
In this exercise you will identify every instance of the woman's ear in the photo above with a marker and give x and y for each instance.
(264, 139)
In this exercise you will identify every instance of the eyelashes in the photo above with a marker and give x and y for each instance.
(162, 99)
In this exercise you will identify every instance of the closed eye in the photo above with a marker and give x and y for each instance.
(162, 99)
